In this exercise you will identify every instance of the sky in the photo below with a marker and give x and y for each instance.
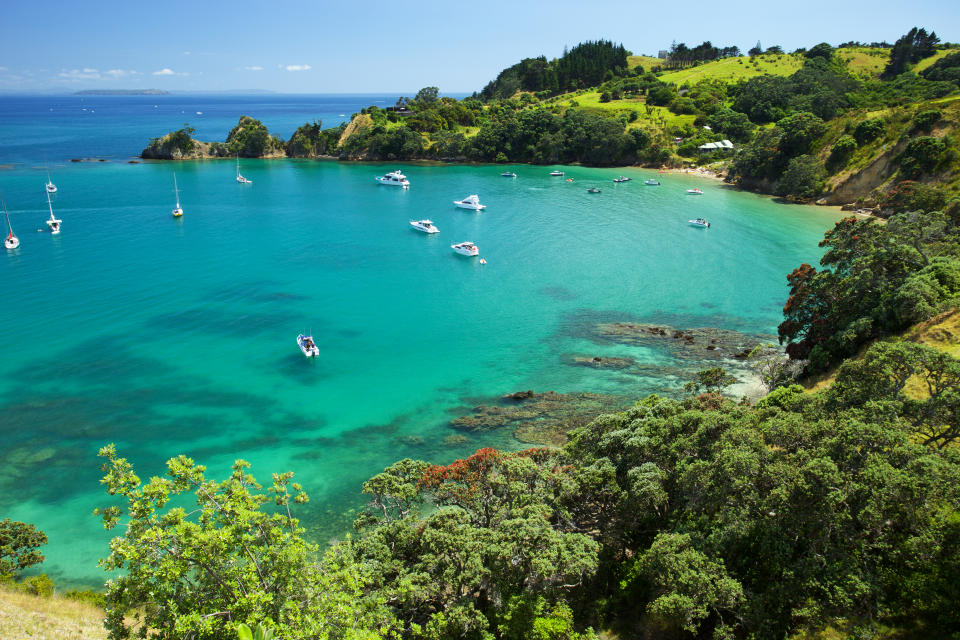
(375, 46)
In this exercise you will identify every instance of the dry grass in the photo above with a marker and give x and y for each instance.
(644, 61)
(24, 616)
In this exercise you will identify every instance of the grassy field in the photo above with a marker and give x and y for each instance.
(926, 62)
(25, 616)
(732, 69)
(644, 61)
(865, 62)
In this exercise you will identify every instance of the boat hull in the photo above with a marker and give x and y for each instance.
(310, 349)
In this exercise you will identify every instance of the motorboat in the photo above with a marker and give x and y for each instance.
(177, 209)
(508, 174)
(240, 178)
(11, 241)
(696, 191)
(466, 249)
(593, 190)
(308, 346)
(50, 187)
(556, 172)
(700, 222)
(622, 179)
(651, 182)
(395, 178)
(426, 226)
(54, 223)
(470, 202)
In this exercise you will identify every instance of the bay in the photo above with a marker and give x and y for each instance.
(173, 336)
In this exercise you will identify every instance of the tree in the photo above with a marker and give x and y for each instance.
(804, 178)
(199, 573)
(427, 95)
(19, 546)
(713, 380)
(755, 50)
(822, 50)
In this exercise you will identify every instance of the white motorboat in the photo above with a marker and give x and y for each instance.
(466, 249)
(308, 346)
(426, 226)
(695, 192)
(53, 222)
(651, 182)
(622, 179)
(470, 202)
(51, 188)
(395, 178)
(11, 241)
(177, 209)
(508, 174)
(700, 222)
(240, 178)
(593, 190)
(556, 172)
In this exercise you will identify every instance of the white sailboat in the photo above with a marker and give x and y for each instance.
(53, 222)
(240, 178)
(177, 210)
(11, 242)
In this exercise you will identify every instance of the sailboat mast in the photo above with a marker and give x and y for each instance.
(50, 206)
(6, 215)
(175, 190)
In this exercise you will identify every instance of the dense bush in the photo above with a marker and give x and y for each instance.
(868, 130)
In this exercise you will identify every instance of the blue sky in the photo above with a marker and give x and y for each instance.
(392, 47)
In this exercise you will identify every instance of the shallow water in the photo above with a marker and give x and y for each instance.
(178, 336)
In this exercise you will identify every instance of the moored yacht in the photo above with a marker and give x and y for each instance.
(308, 346)
(470, 202)
(622, 179)
(395, 178)
(53, 222)
(651, 182)
(50, 187)
(556, 172)
(696, 191)
(426, 226)
(700, 222)
(177, 209)
(466, 249)
(593, 190)
(508, 174)
(240, 178)
(11, 241)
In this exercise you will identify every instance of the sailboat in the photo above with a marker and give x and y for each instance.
(177, 210)
(12, 241)
(51, 188)
(53, 222)
(240, 178)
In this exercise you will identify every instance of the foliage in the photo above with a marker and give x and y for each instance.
(713, 380)
(841, 151)
(868, 130)
(946, 69)
(878, 279)
(227, 561)
(250, 139)
(921, 156)
(310, 140)
(20, 544)
(804, 178)
(924, 120)
(908, 195)
(916, 45)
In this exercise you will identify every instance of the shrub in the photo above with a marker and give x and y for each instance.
(924, 120)
(868, 130)
(803, 178)
(842, 149)
(921, 156)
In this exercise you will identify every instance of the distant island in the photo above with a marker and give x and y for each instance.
(122, 92)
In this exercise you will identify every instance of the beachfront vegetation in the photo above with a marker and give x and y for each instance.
(20, 544)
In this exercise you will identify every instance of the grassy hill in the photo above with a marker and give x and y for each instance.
(734, 69)
(24, 616)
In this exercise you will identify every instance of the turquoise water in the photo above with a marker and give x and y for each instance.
(178, 336)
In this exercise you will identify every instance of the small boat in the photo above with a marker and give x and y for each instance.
(569, 179)
(308, 346)
(470, 202)
(240, 178)
(53, 222)
(556, 172)
(651, 182)
(695, 192)
(622, 179)
(593, 190)
(426, 226)
(11, 241)
(51, 188)
(508, 174)
(466, 249)
(177, 209)
(395, 178)
(700, 222)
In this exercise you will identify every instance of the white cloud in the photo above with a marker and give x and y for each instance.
(120, 73)
(3, 69)
(164, 72)
(78, 74)
(253, 68)
(297, 67)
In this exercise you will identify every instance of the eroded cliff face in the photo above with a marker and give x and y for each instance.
(849, 187)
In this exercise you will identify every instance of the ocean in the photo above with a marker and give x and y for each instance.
(177, 336)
